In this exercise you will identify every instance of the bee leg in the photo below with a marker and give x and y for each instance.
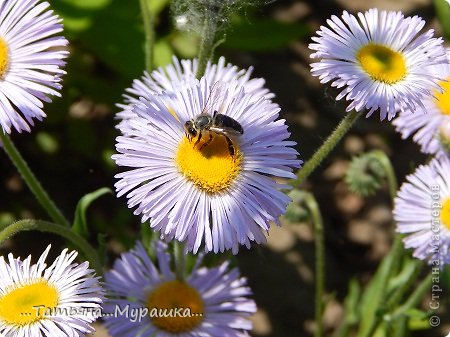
(198, 139)
(230, 145)
(207, 142)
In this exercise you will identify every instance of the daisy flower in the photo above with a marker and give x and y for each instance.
(30, 61)
(430, 125)
(210, 302)
(164, 80)
(380, 59)
(214, 187)
(60, 300)
(422, 209)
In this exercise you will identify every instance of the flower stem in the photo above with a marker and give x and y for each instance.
(207, 39)
(44, 226)
(149, 31)
(32, 182)
(383, 159)
(311, 205)
(180, 260)
(326, 147)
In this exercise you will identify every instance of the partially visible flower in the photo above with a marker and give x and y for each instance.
(61, 300)
(216, 187)
(210, 302)
(30, 61)
(422, 210)
(427, 124)
(166, 80)
(380, 59)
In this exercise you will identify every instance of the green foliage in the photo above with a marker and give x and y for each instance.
(263, 34)
(80, 225)
(443, 14)
(296, 210)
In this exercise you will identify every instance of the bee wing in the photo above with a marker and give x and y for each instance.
(216, 98)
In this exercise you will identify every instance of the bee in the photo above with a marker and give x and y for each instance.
(217, 123)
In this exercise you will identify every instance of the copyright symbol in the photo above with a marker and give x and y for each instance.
(434, 321)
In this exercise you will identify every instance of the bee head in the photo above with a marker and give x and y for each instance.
(190, 130)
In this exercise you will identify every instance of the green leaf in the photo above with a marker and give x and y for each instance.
(375, 295)
(116, 37)
(419, 319)
(78, 14)
(163, 53)
(86, 4)
(156, 6)
(79, 224)
(443, 14)
(264, 35)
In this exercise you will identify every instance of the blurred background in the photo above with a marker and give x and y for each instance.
(70, 151)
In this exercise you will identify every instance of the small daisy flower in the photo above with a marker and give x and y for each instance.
(215, 184)
(30, 61)
(380, 60)
(210, 302)
(60, 300)
(164, 80)
(422, 209)
(430, 125)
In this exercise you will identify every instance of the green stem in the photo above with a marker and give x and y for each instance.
(34, 185)
(44, 226)
(326, 147)
(207, 39)
(180, 260)
(390, 173)
(311, 204)
(149, 31)
(415, 298)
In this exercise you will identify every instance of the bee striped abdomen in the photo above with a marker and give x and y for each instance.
(225, 121)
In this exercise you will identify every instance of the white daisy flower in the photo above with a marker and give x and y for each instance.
(164, 80)
(30, 61)
(216, 186)
(430, 125)
(59, 301)
(422, 209)
(210, 302)
(381, 60)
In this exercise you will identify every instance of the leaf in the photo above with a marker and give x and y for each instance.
(264, 35)
(157, 6)
(116, 37)
(77, 14)
(79, 224)
(374, 296)
(443, 14)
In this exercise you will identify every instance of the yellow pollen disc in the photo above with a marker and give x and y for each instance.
(382, 63)
(442, 99)
(445, 213)
(173, 295)
(4, 58)
(212, 168)
(26, 304)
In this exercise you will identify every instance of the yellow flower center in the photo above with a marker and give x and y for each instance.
(4, 58)
(175, 307)
(382, 63)
(442, 99)
(210, 167)
(445, 213)
(26, 304)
